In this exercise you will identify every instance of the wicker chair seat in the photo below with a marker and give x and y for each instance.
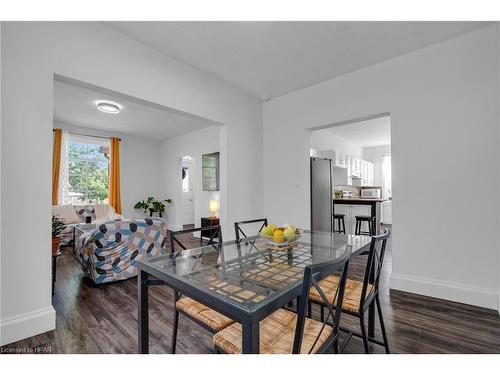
(277, 334)
(211, 318)
(352, 293)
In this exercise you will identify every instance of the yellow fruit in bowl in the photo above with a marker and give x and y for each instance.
(267, 231)
(278, 236)
(289, 233)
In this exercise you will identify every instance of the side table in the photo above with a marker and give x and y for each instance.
(208, 222)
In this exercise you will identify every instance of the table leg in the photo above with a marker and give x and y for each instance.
(251, 341)
(376, 211)
(143, 318)
(371, 308)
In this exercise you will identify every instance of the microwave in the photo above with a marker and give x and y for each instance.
(370, 193)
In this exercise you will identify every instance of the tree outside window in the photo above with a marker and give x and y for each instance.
(88, 171)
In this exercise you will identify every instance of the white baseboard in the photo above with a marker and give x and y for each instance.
(21, 326)
(498, 302)
(456, 292)
(174, 227)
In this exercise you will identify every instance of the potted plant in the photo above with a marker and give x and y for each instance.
(58, 226)
(153, 205)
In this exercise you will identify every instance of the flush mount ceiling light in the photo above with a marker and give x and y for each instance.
(108, 107)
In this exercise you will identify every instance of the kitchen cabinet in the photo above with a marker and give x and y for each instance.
(386, 216)
(339, 159)
(355, 167)
(371, 174)
(350, 212)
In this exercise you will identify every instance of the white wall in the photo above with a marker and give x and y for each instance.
(140, 163)
(498, 156)
(443, 102)
(91, 52)
(1, 135)
(374, 154)
(193, 144)
(324, 140)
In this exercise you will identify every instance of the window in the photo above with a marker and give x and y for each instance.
(85, 170)
(210, 172)
(185, 179)
(386, 177)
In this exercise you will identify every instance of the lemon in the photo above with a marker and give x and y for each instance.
(278, 236)
(289, 233)
(267, 231)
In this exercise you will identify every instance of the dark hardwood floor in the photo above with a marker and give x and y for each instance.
(102, 319)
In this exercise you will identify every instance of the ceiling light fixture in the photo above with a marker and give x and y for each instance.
(108, 107)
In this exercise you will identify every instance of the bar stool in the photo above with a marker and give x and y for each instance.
(371, 224)
(339, 218)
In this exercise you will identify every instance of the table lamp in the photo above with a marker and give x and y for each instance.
(213, 207)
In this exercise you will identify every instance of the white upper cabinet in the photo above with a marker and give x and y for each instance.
(355, 167)
(339, 159)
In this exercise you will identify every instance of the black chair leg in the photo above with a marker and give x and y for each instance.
(382, 325)
(174, 330)
(370, 228)
(363, 333)
(336, 346)
(343, 225)
(356, 230)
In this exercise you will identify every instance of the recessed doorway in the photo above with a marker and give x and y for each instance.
(188, 177)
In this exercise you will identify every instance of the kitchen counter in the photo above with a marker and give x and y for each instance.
(357, 199)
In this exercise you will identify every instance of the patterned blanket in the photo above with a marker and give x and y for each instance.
(109, 252)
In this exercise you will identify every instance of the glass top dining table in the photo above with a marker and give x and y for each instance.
(246, 281)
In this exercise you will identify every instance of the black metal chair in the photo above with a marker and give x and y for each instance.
(359, 296)
(238, 231)
(287, 332)
(214, 229)
(360, 219)
(194, 310)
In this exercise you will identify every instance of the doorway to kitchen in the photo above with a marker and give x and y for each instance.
(351, 176)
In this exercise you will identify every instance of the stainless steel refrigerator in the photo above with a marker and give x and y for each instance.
(321, 194)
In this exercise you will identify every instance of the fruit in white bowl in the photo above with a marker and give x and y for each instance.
(279, 235)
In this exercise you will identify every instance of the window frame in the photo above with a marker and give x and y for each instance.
(215, 176)
(85, 161)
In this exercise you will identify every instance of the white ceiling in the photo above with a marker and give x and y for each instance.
(369, 133)
(76, 105)
(269, 59)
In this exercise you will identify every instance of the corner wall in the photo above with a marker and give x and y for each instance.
(32, 52)
(443, 101)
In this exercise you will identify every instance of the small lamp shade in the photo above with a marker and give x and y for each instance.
(213, 206)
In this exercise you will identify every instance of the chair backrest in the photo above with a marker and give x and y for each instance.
(374, 265)
(215, 230)
(312, 276)
(238, 231)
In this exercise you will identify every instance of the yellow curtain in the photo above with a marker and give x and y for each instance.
(56, 164)
(114, 176)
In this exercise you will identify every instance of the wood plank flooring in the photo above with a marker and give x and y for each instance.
(103, 319)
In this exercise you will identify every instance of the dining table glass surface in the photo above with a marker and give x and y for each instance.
(251, 273)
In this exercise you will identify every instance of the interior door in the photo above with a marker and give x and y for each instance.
(187, 195)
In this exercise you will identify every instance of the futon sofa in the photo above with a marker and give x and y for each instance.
(110, 251)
